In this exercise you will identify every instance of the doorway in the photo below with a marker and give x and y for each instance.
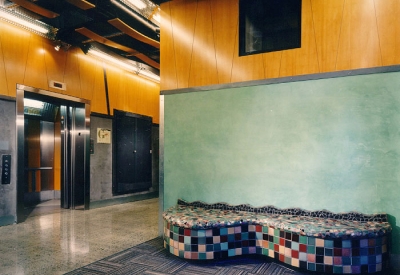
(53, 140)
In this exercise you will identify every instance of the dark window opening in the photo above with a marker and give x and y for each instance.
(269, 25)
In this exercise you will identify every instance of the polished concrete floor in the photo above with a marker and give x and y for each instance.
(55, 241)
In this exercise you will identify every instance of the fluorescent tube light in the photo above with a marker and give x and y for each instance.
(138, 4)
(23, 21)
(119, 63)
(33, 103)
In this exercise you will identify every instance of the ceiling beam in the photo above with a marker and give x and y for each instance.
(131, 52)
(82, 4)
(122, 26)
(36, 9)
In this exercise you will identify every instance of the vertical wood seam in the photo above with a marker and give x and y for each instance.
(194, 35)
(215, 48)
(4, 62)
(340, 35)
(377, 31)
(173, 44)
(315, 36)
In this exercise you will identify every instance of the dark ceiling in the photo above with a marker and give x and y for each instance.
(110, 25)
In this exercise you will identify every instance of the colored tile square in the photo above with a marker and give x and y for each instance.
(355, 260)
(295, 237)
(224, 246)
(302, 256)
(295, 254)
(202, 248)
(238, 229)
(282, 234)
(328, 243)
(231, 230)
(288, 236)
(252, 228)
(265, 251)
(328, 251)
(210, 255)
(295, 263)
(303, 248)
(372, 268)
(303, 239)
(378, 259)
(311, 241)
(311, 258)
(259, 236)
(202, 256)
(346, 244)
(364, 260)
(346, 260)
(328, 260)
(355, 243)
(231, 252)
(245, 236)
(238, 251)
(281, 257)
(356, 269)
(181, 246)
(319, 243)
(288, 252)
(337, 270)
(311, 267)
(364, 243)
(371, 242)
(337, 261)
(288, 260)
(288, 244)
(364, 251)
(347, 269)
(270, 245)
(319, 259)
(346, 252)
(281, 241)
(276, 232)
(320, 251)
(187, 255)
(355, 252)
(276, 240)
(271, 231)
(193, 233)
(187, 232)
(259, 228)
(337, 252)
(224, 231)
(295, 245)
(263, 244)
(276, 247)
(201, 233)
(281, 250)
(311, 249)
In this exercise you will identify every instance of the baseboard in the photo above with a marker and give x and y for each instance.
(123, 199)
(7, 220)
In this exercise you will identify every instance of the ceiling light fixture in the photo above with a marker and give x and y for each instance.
(138, 4)
(23, 21)
(135, 13)
(119, 63)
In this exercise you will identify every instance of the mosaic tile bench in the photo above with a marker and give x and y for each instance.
(314, 240)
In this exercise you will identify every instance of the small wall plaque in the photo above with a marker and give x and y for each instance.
(103, 135)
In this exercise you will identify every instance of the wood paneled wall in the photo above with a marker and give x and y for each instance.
(29, 59)
(199, 41)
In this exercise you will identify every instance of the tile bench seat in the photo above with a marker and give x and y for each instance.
(320, 241)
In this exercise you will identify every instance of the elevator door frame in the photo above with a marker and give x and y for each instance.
(62, 100)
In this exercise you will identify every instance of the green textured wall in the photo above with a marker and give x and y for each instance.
(321, 144)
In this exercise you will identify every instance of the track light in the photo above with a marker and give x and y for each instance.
(57, 47)
(139, 70)
(23, 21)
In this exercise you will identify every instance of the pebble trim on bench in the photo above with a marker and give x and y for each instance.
(226, 231)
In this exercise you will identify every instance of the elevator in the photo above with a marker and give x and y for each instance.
(53, 139)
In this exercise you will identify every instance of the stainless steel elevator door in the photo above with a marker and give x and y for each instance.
(73, 156)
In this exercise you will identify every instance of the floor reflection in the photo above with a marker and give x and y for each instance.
(54, 240)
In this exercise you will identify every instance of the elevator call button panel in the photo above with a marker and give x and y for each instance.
(6, 169)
